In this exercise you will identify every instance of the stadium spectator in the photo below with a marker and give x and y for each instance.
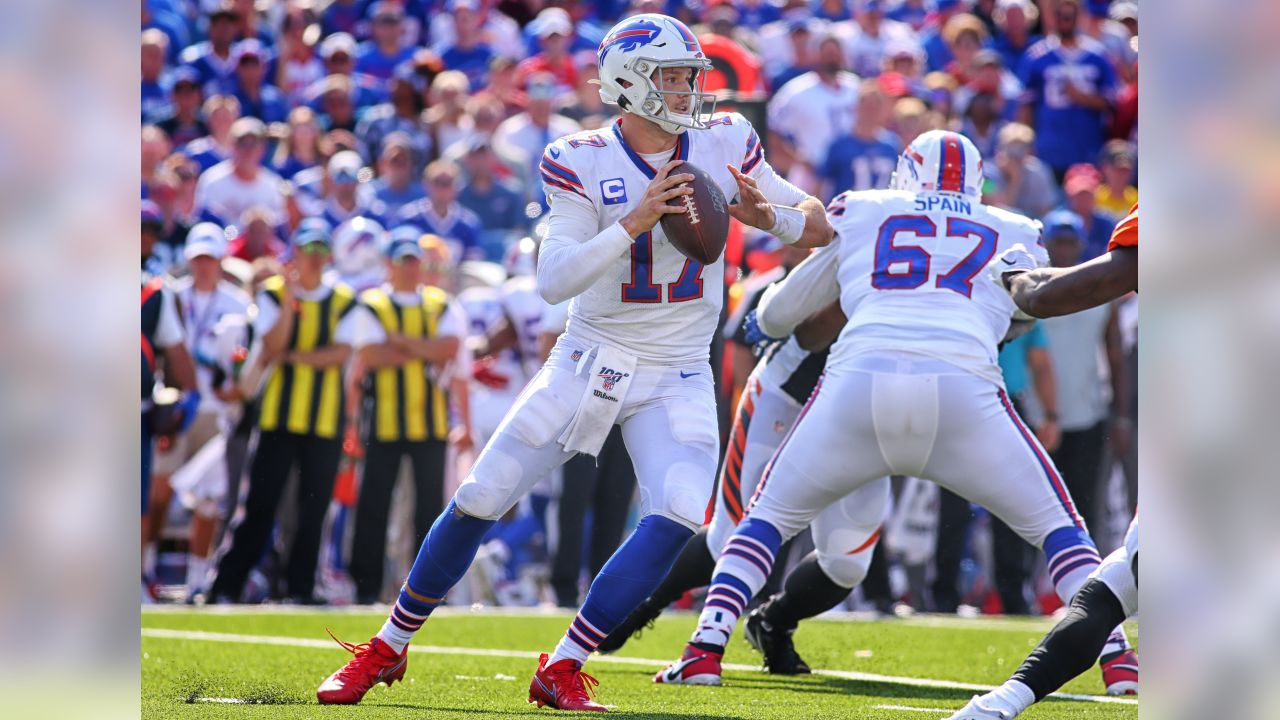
(755, 14)
(396, 184)
(1013, 37)
(297, 429)
(438, 264)
(401, 114)
(257, 239)
(155, 148)
(380, 55)
(220, 113)
(988, 75)
(257, 98)
(865, 158)
(440, 213)
(498, 204)
(1028, 182)
(965, 35)
(498, 29)
(525, 136)
(227, 189)
(182, 121)
(870, 36)
(736, 67)
(586, 108)
(407, 333)
(173, 196)
(339, 53)
(446, 117)
(346, 196)
(1113, 36)
(467, 51)
(806, 113)
(299, 149)
(1081, 191)
(910, 117)
(801, 58)
(504, 86)
(982, 123)
(155, 99)
(337, 108)
(937, 50)
(249, 25)
(297, 64)
(903, 67)
(1076, 342)
(1070, 85)
(342, 16)
(911, 12)
(553, 29)
(1117, 193)
(211, 59)
(833, 11)
(171, 24)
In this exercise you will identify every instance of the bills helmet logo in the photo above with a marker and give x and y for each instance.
(630, 36)
(611, 377)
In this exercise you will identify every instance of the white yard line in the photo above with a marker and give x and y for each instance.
(908, 708)
(169, 634)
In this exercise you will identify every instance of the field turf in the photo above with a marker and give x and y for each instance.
(267, 662)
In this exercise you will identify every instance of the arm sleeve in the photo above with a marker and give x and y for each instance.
(571, 257)
(809, 287)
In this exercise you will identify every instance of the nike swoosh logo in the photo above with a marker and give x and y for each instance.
(673, 673)
(1006, 261)
(555, 153)
(685, 377)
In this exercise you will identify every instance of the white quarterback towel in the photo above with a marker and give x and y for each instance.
(611, 371)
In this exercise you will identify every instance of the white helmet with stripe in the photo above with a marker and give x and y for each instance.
(940, 161)
(634, 50)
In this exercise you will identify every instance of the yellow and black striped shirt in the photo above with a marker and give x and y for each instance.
(403, 403)
(298, 398)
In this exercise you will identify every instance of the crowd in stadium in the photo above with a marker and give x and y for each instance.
(305, 162)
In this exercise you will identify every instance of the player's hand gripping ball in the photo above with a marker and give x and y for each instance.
(699, 232)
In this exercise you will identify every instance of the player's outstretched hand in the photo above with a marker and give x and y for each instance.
(754, 335)
(1014, 260)
(752, 207)
(654, 205)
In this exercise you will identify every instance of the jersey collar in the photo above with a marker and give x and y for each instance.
(681, 152)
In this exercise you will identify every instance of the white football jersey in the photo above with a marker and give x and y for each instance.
(484, 309)
(524, 308)
(655, 303)
(912, 275)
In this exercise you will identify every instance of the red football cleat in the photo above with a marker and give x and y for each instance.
(1120, 674)
(374, 662)
(695, 667)
(563, 686)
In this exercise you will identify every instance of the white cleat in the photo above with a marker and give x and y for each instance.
(974, 711)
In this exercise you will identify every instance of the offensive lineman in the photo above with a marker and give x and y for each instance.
(1111, 595)
(635, 352)
(912, 386)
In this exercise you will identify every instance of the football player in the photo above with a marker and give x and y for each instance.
(1111, 595)
(912, 386)
(635, 352)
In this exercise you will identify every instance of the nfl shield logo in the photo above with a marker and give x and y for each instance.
(576, 356)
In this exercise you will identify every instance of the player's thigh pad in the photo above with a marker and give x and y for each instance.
(846, 532)
(986, 454)
(1119, 571)
(759, 427)
(674, 444)
(830, 452)
(524, 448)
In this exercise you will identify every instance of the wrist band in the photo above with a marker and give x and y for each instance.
(788, 224)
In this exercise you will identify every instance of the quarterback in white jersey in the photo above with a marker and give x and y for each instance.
(912, 386)
(635, 352)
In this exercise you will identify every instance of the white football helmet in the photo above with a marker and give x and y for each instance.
(940, 161)
(637, 47)
(357, 246)
(522, 258)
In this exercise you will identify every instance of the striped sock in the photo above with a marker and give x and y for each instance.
(579, 641)
(1072, 558)
(743, 567)
(406, 618)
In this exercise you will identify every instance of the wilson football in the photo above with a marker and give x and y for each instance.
(700, 232)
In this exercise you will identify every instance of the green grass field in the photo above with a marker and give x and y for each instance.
(266, 663)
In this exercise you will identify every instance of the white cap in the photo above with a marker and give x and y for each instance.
(552, 21)
(338, 41)
(346, 163)
(205, 238)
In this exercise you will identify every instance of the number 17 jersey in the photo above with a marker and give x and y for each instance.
(912, 271)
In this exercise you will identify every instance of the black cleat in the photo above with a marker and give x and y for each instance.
(780, 656)
(637, 622)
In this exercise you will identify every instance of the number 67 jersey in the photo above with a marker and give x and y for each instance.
(652, 301)
(912, 275)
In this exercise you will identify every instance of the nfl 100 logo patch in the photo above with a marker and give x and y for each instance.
(611, 377)
(613, 191)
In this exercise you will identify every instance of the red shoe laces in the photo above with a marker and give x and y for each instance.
(581, 685)
(363, 652)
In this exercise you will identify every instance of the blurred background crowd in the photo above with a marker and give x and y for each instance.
(341, 208)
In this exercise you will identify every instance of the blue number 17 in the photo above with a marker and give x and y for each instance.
(642, 289)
